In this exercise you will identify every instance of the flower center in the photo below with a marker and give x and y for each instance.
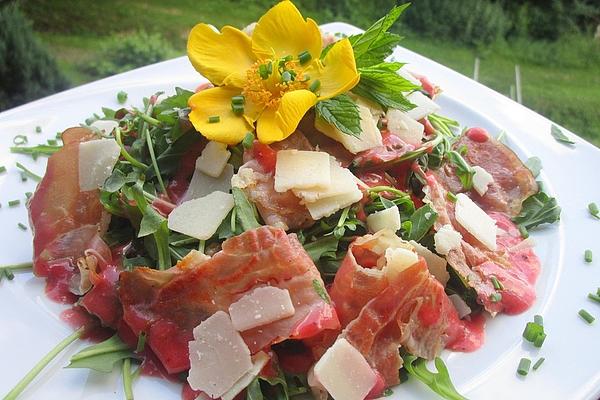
(267, 81)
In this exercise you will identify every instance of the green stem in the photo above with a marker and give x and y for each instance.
(29, 173)
(144, 129)
(124, 152)
(18, 267)
(148, 118)
(27, 379)
(127, 379)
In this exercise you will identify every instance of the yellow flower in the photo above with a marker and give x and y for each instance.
(268, 81)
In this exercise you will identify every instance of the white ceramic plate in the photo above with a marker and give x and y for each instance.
(30, 323)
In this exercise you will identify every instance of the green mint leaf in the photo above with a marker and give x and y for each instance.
(559, 135)
(318, 286)
(439, 381)
(325, 246)
(380, 49)
(421, 222)
(534, 164)
(342, 112)
(371, 39)
(382, 84)
(245, 212)
(103, 356)
(538, 209)
(463, 170)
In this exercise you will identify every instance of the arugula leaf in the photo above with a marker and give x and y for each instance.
(342, 112)
(382, 84)
(245, 212)
(464, 171)
(103, 356)
(375, 44)
(421, 222)
(559, 135)
(322, 247)
(439, 381)
(538, 209)
(253, 391)
(534, 164)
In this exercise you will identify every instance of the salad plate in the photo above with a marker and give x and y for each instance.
(30, 324)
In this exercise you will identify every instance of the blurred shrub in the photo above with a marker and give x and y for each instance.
(27, 71)
(122, 54)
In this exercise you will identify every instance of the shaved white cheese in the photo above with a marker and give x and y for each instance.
(202, 184)
(408, 76)
(435, 263)
(370, 135)
(244, 178)
(374, 108)
(344, 372)
(476, 221)
(388, 218)
(316, 388)
(213, 159)
(298, 169)
(218, 356)
(481, 180)
(342, 181)
(446, 239)
(96, 161)
(258, 363)
(200, 218)
(461, 307)
(326, 207)
(261, 306)
(406, 128)
(397, 260)
(104, 126)
(424, 106)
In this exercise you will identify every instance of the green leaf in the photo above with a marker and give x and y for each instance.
(253, 391)
(374, 42)
(321, 291)
(559, 135)
(245, 212)
(463, 170)
(534, 164)
(168, 161)
(439, 381)
(325, 246)
(380, 49)
(151, 222)
(382, 84)
(115, 181)
(342, 112)
(421, 222)
(102, 356)
(538, 209)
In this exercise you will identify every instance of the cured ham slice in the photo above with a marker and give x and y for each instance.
(393, 147)
(513, 264)
(512, 182)
(64, 219)
(168, 305)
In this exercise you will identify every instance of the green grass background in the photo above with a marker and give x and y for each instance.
(561, 80)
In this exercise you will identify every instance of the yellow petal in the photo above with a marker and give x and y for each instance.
(336, 72)
(221, 57)
(231, 128)
(282, 31)
(275, 125)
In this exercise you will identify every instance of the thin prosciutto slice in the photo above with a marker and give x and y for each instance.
(168, 305)
(64, 220)
(410, 309)
(514, 263)
(393, 147)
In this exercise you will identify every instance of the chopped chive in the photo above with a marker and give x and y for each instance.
(122, 97)
(588, 256)
(593, 209)
(9, 274)
(286, 76)
(20, 140)
(52, 142)
(141, 344)
(265, 70)
(248, 140)
(2, 169)
(238, 100)
(539, 340)
(524, 365)
(594, 297)
(532, 331)
(315, 86)
(523, 232)
(497, 284)
(14, 203)
(59, 135)
(304, 57)
(495, 297)
(598, 291)
(237, 109)
(22, 226)
(589, 318)
(538, 363)
(451, 197)
(28, 194)
(538, 319)
(38, 129)
(23, 177)
(27, 173)
(213, 119)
